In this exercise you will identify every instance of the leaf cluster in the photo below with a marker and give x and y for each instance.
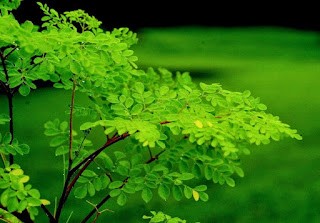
(162, 217)
(17, 196)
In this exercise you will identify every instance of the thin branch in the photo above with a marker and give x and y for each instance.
(64, 194)
(89, 159)
(62, 197)
(156, 157)
(98, 212)
(109, 142)
(3, 59)
(11, 51)
(48, 213)
(84, 164)
(71, 122)
(165, 122)
(105, 199)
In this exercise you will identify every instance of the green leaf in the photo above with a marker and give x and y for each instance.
(203, 196)
(195, 195)
(34, 193)
(64, 126)
(146, 194)
(12, 204)
(216, 162)
(17, 172)
(22, 205)
(119, 155)
(109, 130)
(89, 173)
(208, 172)
(24, 90)
(196, 170)
(177, 192)
(108, 163)
(122, 199)
(24, 179)
(52, 132)
(115, 184)
(37, 60)
(34, 202)
(129, 188)
(164, 191)
(88, 125)
(97, 184)
(23, 149)
(115, 192)
(163, 90)
(230, 181)
(113, 99)
(5, 196)
(262, 107)
(105, 180)
(58, 140)
(122, 170)
(186, 176)
(201, 188)
(4, 184)
(215, 176)
(61, 150)
(7, 138)
(75, 67)
(187, 192)
(129, 102)
(81, 192)
(4, 118)
(91, 189)
(239, 171)
(139, 87)
(183, 166)
(83, 180)
(27, 25)
(246, 93)
(136, 109)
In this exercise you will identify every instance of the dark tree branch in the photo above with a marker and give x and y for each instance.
(48, 213)
(104, 200)
(109, 142)
(83, 165)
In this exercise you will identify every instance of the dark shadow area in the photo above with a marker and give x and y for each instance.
(136, 14)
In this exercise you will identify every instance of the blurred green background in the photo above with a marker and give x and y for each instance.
(279, 65)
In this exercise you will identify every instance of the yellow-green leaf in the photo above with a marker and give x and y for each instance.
(198, 124)
(195, 195)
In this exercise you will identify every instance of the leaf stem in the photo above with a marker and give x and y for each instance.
(71, 122)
